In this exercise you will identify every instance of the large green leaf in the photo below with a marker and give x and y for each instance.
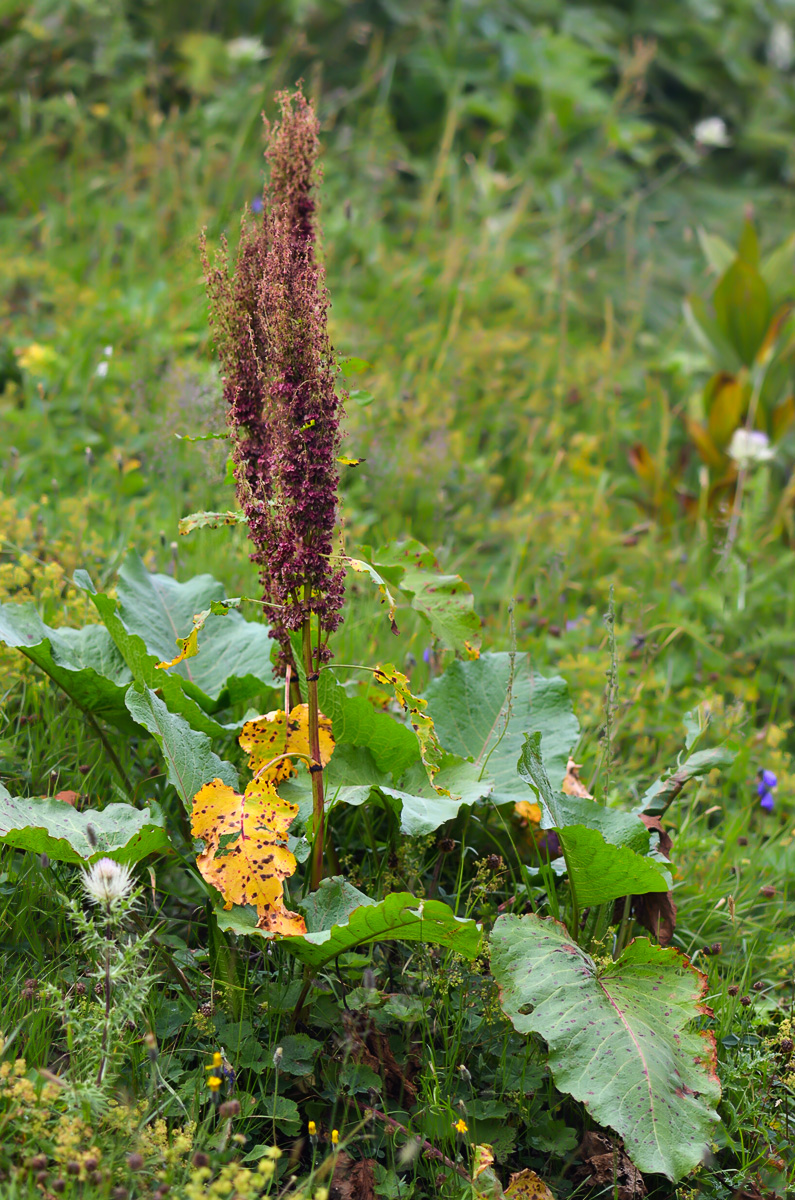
(445, 601)
(604, 848)
(392, 744)
(742, 308)
(141, 622)
(399, 917)
(54, 828)
(619, 1036)
(354, 778)
(480, 714)
(234, 654)
(83, 662)
(143, 664)
(190, 759)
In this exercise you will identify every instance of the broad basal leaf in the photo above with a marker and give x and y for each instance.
(620, 1036)
(84, 663)
(431, 751)
(445, 601)
(51, 827)
(245, 855)
(399, 917)
(354, 720)
(188, 754)
(353, 778)
(277, 734)
(605, 849)
(482, 711)
(152, 611)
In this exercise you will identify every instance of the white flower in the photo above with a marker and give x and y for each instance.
(749, 446)
(712, 131)
(106, 881)
(108, 351)
(246, 50)
(780, 47)
(102, 369)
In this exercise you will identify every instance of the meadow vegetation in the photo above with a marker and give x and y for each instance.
(558, 245)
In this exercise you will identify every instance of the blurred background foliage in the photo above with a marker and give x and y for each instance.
(527, 245)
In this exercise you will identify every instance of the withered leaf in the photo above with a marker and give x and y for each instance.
(245, 856)
(656, 911)
(572, 784)
(277, 733)
(484, 1158)
(604, 1161)
(431, 751)
(352, 1179)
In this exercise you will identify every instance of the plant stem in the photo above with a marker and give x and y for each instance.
(428, 1150)
(315, 770)
(623, 928)
(106, 1030)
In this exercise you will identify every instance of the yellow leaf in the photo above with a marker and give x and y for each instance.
(572, 784)
(275, 734)
(484, 1158)
(357, 564)
(530, 813)
(526, 1185)
(709, 452)
(245, 856)
(725, 401)
(431, 751)
(188, 648)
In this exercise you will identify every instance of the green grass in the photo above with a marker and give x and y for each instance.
(516, 351)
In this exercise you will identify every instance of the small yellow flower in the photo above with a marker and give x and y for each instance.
(273, 1152)
(265, 1168)
(218, 1062)
(335, 1137)
(321, 1194)
(312, 1127)
(460, 1126)
(214, 1082)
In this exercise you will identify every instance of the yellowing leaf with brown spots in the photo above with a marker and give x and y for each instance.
(431, 751)
(484, 1158)
(245, 856)
(188, 648)
(267, 738)
(526, 1185)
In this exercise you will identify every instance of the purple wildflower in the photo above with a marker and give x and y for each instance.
(257, 204)
(764, 789)
(270, 317)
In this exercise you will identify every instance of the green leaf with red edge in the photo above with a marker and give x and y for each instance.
(620, 1036)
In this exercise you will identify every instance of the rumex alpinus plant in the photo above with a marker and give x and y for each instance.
(284, 410)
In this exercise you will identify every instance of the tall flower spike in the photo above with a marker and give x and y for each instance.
(284, 412)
